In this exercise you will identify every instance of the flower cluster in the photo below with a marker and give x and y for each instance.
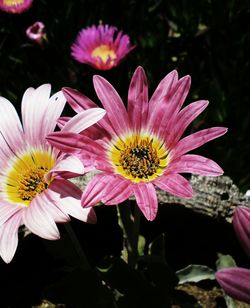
(236, 280)
(134, 150)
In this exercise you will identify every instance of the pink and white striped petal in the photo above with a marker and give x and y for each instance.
(196, 140)
(55, 107)
(196, 164)
(9, 237)
(179, 124)
(170, 108)
(39, 221)
(138, 99)
(117, 191)
(80, 102)
(77, 100)
(175, 184)
(72, 143)
(67, 197)
(7, 210)
(116, 111)
(65, 168)
(34, 106)
(83, 120)
(10, 128)
(51, 207)
(146, 199)
(95, 189)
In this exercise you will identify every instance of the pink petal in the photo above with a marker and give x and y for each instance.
(117, 191)
(236, 282)
(138, 99)
(94, 191)
(170, 106)
(39, 221)
(74, 143)
(83, 120)
(77, 100)
(183, 119)
(195, 164)
(116, 111)
(62, 121)
(7, 210)
(241, 223)
(80, 102)
(9, 237)
(163, 90)
(196, 140)
(11, 131)
(175, 184)
(67, 197)
(66, 167)
(158, 101)
(146, 199)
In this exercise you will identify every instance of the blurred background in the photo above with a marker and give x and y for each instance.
(207, 39)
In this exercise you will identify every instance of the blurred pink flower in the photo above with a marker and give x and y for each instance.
(236, 280)
(99, 47)
(34, 189)
(15, 6)
(36, 32)
(141, 147)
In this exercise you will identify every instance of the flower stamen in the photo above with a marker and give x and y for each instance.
(139, 158)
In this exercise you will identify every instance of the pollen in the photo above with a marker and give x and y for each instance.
(140, 158)
(25, 178)
(104, 52)
(13, 2)
(32, 183)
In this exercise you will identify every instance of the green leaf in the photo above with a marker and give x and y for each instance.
(225, 261)
(195, 273)
(141, 245)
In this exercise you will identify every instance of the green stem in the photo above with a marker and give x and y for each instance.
(130, 225)
(83, 262)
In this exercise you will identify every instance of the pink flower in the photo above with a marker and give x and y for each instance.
(36, 32)
(99, 47)
(236, 281)
(34, 189)
(15, 6)
(141, 147)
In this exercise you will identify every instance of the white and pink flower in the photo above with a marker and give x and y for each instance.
(34, 189)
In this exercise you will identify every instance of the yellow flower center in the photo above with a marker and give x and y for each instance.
(25, 178)
(13, 2)
(139, 158)
(104, 52)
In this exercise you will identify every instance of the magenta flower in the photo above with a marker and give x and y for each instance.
(236, 281)
(141, 147)
(36, 32)
(99, 47)
(34, 187)
(15, 6)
